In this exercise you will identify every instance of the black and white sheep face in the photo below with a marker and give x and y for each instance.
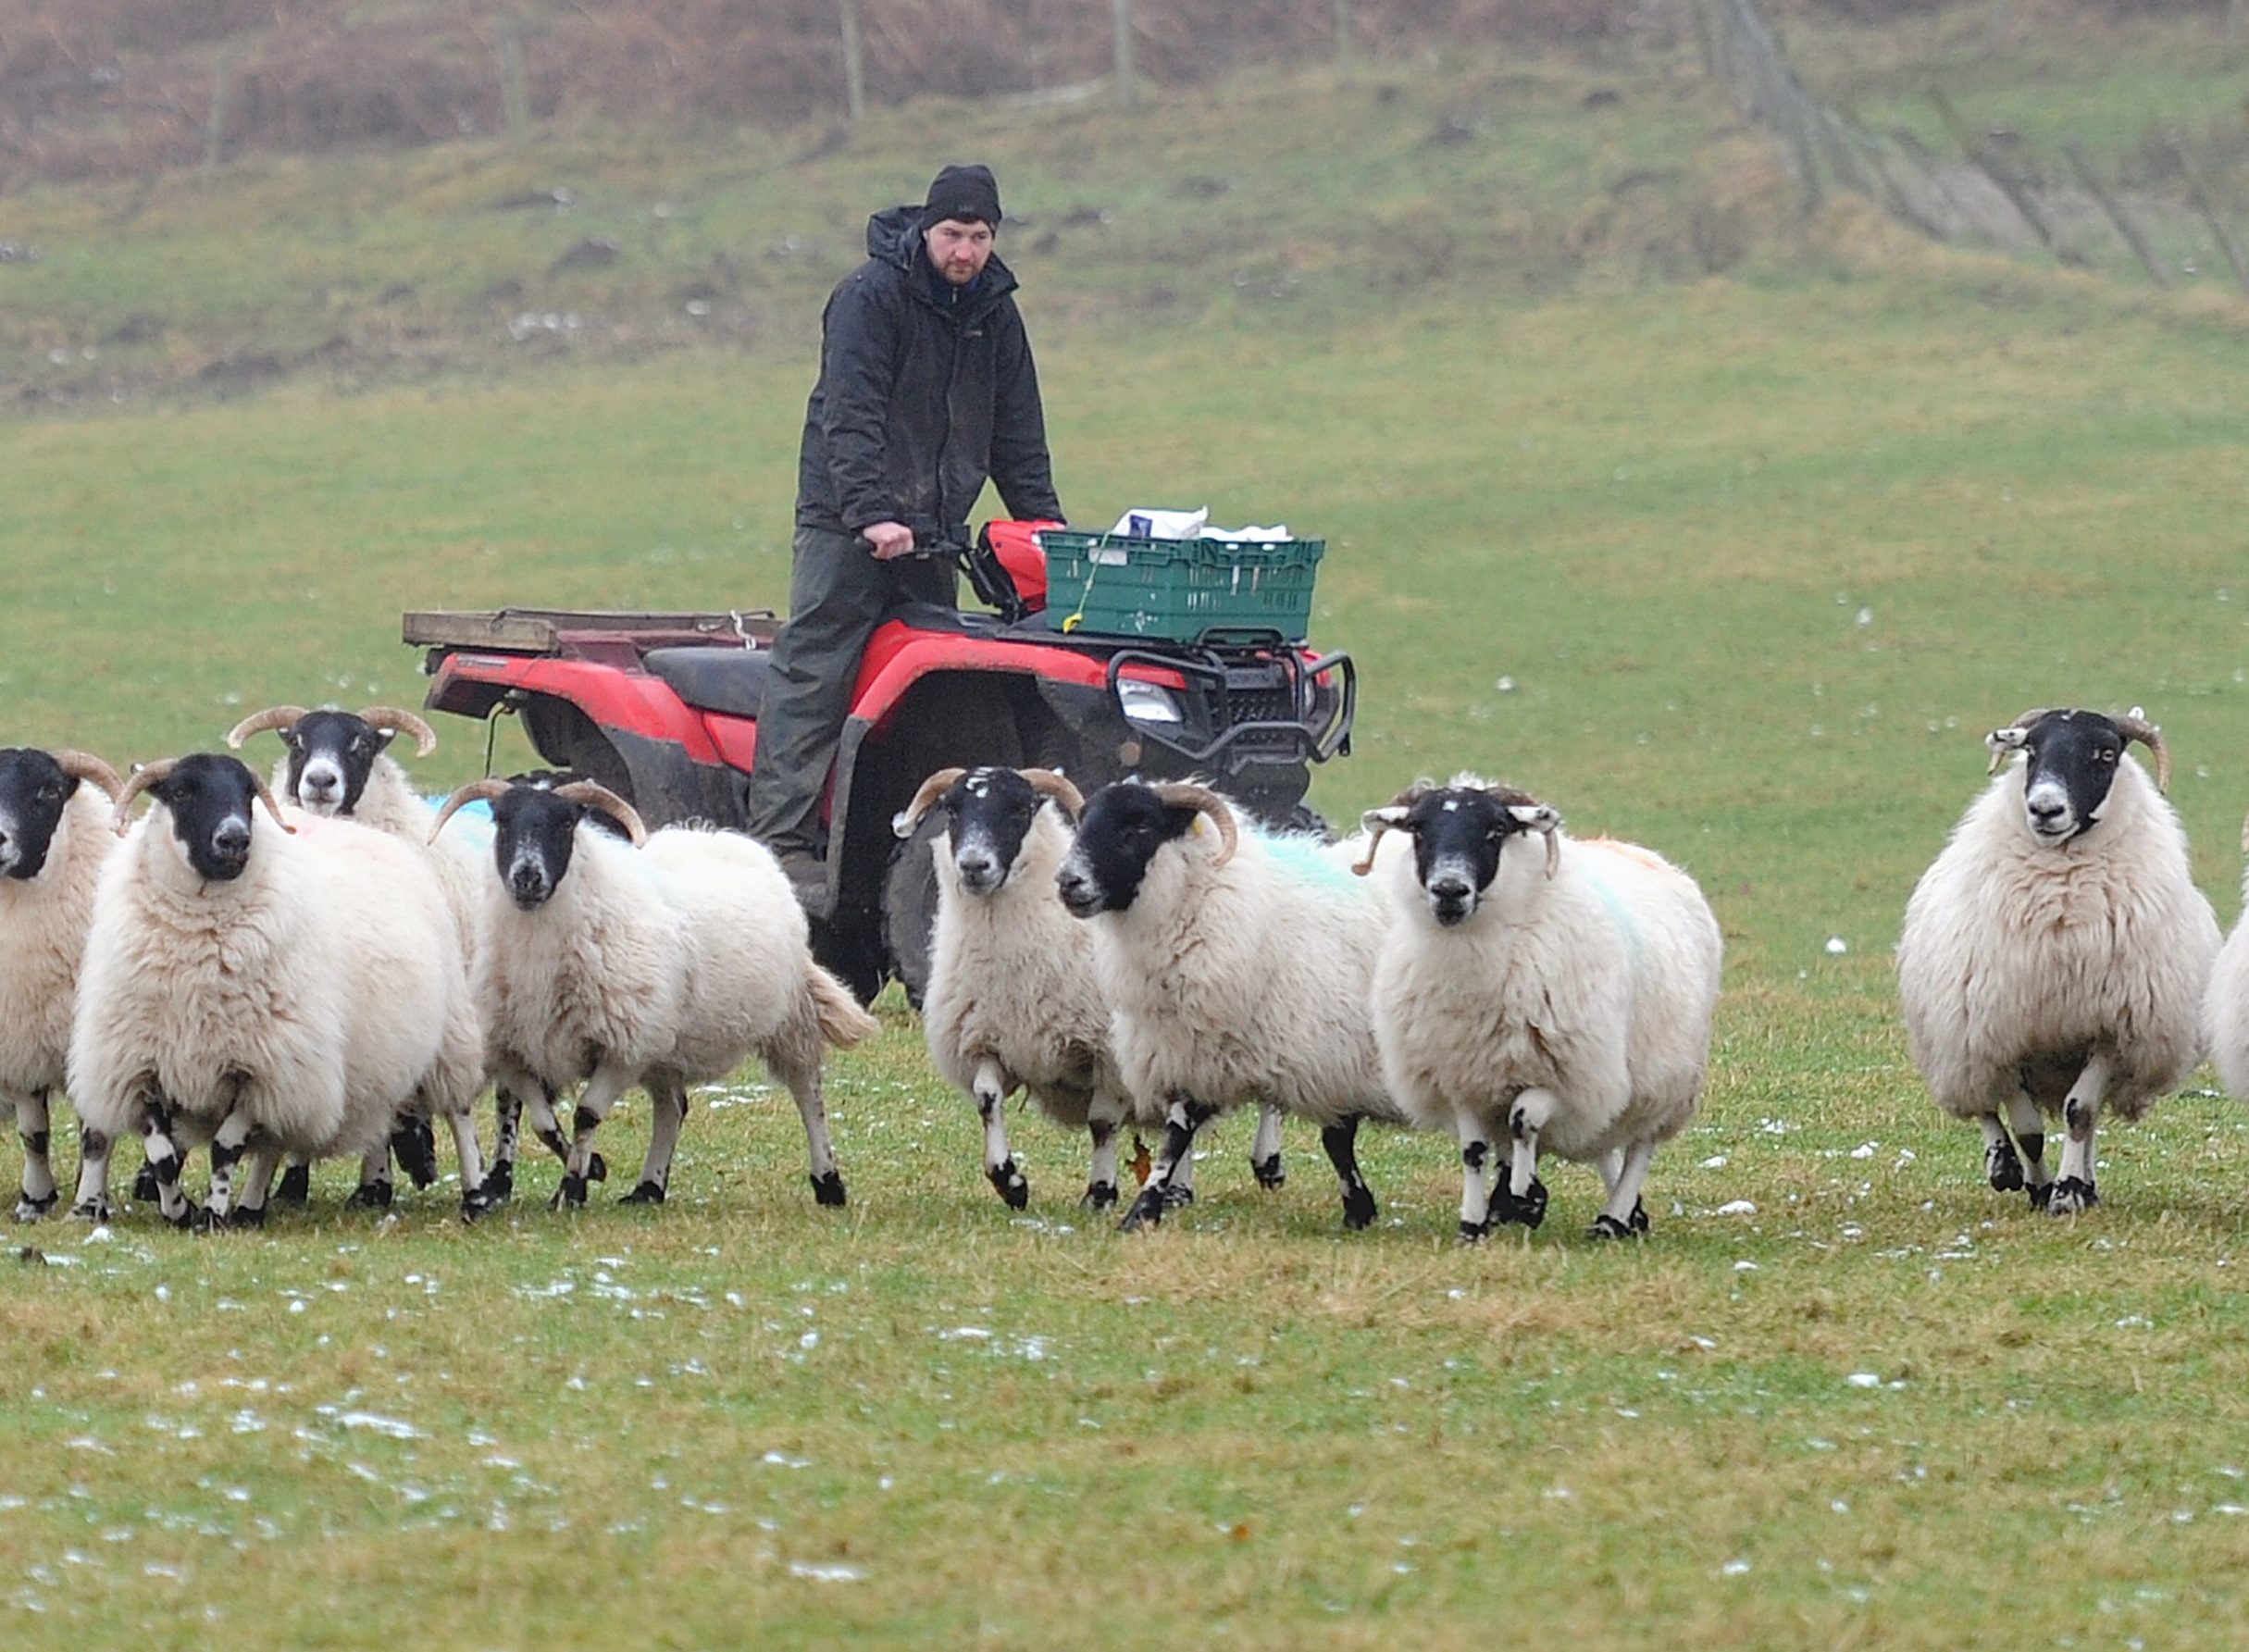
(209, 799)
(1124, 827)
(534, 833)
(33, 789)
(989, 811)
(2070, 761)
(330, 755)
(1461, 835)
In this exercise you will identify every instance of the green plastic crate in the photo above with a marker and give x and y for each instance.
(1177, 588)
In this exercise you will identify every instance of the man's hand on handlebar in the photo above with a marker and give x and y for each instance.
(889, 541)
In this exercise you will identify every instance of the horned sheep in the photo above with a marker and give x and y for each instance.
(283, 988)
(57, 810)
(1556, 989)
(664, 960)
(1237, 964)
(2055, 955)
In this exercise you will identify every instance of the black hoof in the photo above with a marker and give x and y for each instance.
(1606, 1226)
(571, 1195)
(1177, 1198)
(1270, 1172)
(1638, 1221)
(194, 1219)
(1099, 1196)
(2004, 1168)
(295, 1186)
(92, 1210)
(1471, 1233)
(499, 1185)
(144, 1188)
(370, 1196)
(2073, 1194)
(647, 1193)
(2041, 1195)
(597, 1169)
(1358, 1209)
(474, 1206)
(31, 1210)
(828, 1190)
(245, 1216)
(1530, 1209)
(1007, 1180)
(1147, 1211)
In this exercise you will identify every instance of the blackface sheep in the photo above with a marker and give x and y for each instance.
(337, 763)
(1558, 991)
(1236, 966)
(1012, 1000)
(57, 812)
(2055, 956)
(274, 988)
(663, 960)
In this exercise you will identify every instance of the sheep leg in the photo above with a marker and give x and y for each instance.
(2031, 1136)
(2000, 1163)
(1104, 1116)
(1182, 1118)
(374, 1190)
(229, 1143)
(250, 1209)
(295, 1186)
(144, 1183)
(547, 1128)
(595, 1101)
(1525, 1200)
(668, 1105)
(1181, 1192)
(991, 1087)
(166, 1161)
(804, 1081)
(1623, 1215)
(507, 1118)
(2074, 1190)
(1265, 1149)
(413, 1145)
(475, 1200)
(1341, 1140)
(1475, 1186)
(39, 1192)
(92, 1203)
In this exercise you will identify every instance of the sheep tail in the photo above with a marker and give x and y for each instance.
(842, 1022)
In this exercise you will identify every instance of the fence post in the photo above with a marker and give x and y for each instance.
(1126, 93)
(854, 61)
(1343, 41)
(514, 89)
(2199, 193)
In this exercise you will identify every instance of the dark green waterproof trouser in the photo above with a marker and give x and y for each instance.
(837, 593)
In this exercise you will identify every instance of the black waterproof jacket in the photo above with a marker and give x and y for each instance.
(924, 392)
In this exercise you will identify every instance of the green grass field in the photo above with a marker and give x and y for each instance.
(1740, 565)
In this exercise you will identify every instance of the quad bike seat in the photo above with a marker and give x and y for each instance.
(729, 680)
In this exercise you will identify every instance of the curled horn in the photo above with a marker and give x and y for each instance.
(1178, 795)
(401, 722)
(2001, 753)
(1376, 825)
(85, 765)
(272, 808)
(1053, 783)
(934, 787)
(147, 776)
(2147, 734)
(476, 791)
(600, 797)
(1514, 797)
(273, 717)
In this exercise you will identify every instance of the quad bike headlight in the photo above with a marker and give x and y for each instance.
(1147, 702)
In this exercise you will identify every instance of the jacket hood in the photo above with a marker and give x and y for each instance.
(894, 237)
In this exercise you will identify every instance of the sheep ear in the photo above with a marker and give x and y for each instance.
(2003, 743)
(1537, 817)
(1392, 818)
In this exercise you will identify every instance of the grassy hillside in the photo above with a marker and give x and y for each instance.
(1739, 561)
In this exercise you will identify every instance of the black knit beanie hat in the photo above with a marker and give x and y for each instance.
(968, 193)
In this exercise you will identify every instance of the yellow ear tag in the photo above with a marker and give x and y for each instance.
(1072, 622)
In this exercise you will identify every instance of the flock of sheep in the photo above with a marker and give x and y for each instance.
(333, 972)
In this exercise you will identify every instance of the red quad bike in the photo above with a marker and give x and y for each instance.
(661, 708)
